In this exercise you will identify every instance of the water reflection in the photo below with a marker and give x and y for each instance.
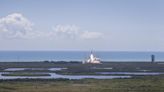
(131, 73)
(103, 75)
(22, 69)
(55, 76)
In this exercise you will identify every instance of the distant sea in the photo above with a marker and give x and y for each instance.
(25, 56)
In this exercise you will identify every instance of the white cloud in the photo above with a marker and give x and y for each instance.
(18, 26)
(91, 35)
(15, 25)
(73, 31)
(66, 31)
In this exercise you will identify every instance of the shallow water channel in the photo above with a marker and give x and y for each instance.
(103, 75)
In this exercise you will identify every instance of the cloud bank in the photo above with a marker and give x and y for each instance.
(18, 26)
(74, 32)
(15, 26)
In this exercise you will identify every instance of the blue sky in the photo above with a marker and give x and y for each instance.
(110, 25)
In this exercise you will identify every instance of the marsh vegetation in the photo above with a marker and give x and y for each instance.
(142, 84)
(147, 83)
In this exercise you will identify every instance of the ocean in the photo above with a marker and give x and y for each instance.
(28, 56)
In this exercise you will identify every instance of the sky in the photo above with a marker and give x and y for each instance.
(82, 25)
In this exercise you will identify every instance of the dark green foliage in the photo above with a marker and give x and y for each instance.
(141, 84)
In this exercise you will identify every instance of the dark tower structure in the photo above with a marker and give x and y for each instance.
(152, 58)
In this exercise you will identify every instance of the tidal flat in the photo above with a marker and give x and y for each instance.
(136, 83)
